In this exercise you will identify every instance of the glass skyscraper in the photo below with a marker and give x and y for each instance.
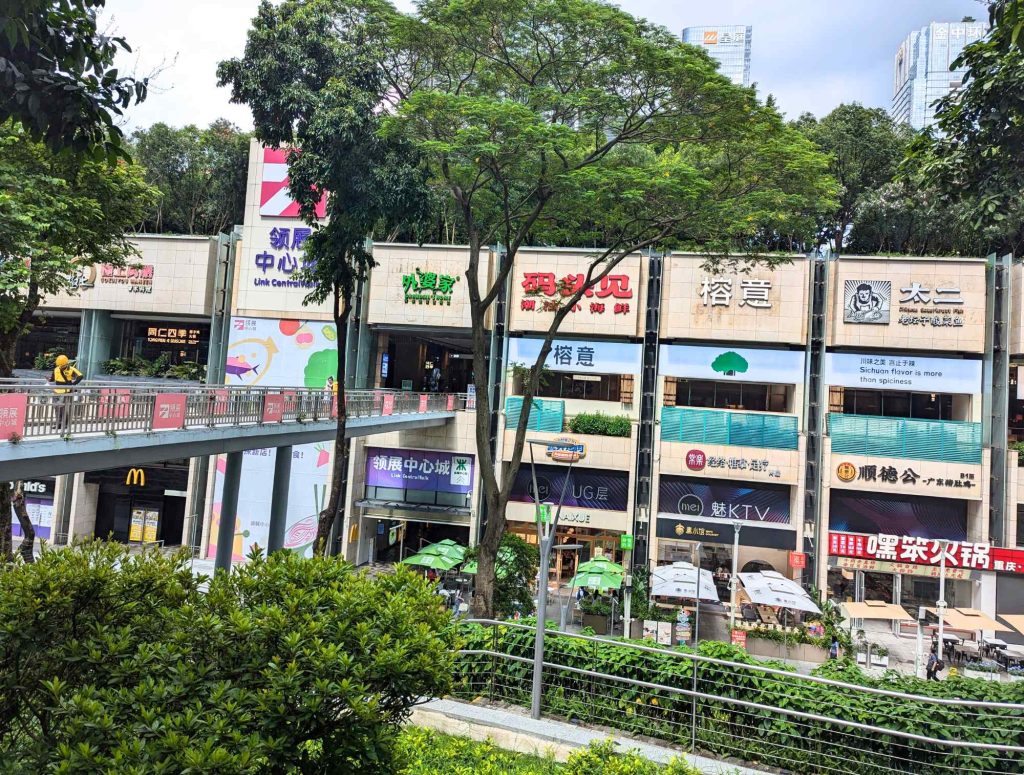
(729, 45)
(922, 69)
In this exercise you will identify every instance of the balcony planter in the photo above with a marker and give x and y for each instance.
(597, 622)
(877, 661)
(984, 675)
(802, 652)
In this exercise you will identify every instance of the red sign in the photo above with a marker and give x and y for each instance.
(291, 401)
(13, 410)
(115, 402)
(169, 411)
(739, 638)
(334, 406)
(388, 404)
(612, 286)
(273, 407)
(696, 460)
(926, 551)
(797, 560)
(423, 402)
(451, 402)
(221, 402)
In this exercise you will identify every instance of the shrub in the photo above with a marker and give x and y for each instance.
(600, 424)
(46, 361)
(518, 561)
(189, 370)
(111, 662)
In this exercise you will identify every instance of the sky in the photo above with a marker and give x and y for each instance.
(810, 54)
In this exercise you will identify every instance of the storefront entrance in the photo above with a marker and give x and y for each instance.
(424, 362)
(144, 504)
(594, 543)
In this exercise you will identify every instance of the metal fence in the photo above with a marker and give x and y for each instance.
(761, 714)
(117, 407)
(715, 426)
(941, 440)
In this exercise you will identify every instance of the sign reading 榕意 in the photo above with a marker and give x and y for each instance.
(577, 356)
(915, 550)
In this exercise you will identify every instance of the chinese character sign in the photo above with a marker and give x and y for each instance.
(417, 469)
(13, 409)
(916, 550)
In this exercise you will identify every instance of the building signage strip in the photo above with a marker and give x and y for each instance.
(903, 372)
(917, 304)
(783, 367)
(576, 356)
(587, 488)
(847, 472)
(719, 533)
(725, 500)
(419, 469)
(926, 551)
(902, 568)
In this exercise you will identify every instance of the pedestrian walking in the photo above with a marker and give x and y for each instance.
(934, 666)
(833, 649)
(64, 374)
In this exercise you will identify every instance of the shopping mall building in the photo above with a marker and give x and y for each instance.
(847, 421)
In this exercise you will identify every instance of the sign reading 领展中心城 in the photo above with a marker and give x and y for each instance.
(419, 469)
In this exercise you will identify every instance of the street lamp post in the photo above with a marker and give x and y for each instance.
(734, 581)
(568, 602)
(545, 538)
(940, 606)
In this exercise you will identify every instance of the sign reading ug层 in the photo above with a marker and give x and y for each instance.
(908, 372)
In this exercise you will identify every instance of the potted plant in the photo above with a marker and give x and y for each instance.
(879, 656)
(1015, 673)
(986, 670)
(863, 648)
(596, 614)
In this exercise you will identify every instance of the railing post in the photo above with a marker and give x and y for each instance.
(494, 660)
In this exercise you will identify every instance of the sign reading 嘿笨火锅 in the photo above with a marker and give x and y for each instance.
(419, 469)
(903, 372)
(915, 550)
(919, 304)
(428, 287)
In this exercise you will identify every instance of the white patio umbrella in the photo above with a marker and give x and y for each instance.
(680, 580)
(772, 588)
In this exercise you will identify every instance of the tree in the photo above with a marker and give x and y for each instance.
(311, 75)
(865, 147)
(58, 213)
(113, 662)
(200, 173)
(552, 120)
(977, 157)
(57, 75)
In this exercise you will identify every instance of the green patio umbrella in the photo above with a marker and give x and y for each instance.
(445, 548)
(598, 581)
(435, 561)
(601, 565)
(505, 557)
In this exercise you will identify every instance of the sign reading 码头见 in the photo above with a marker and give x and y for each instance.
(903, 372)
(915, 550)
(419, 469)
(428, 287)
(577, 356)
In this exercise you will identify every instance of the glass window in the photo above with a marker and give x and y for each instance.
(751, 397)
(895, 404)
(589, 387)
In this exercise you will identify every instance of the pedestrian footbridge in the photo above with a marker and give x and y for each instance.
(98, 425)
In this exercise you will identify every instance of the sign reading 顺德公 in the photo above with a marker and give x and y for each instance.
(428, 287)
(909, 372)
(905, 475)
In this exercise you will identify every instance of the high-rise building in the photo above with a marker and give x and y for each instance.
(922, 71)
(729, 45)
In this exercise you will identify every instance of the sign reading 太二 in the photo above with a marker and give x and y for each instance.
(428, 288)
(920, 304)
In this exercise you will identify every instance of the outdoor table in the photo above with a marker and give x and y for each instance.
(1013, 654)
(993, 645)
(967, 649)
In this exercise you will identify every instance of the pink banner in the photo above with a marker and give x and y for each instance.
(334, 407)
(169, 411)
(273, 407)
(221, 403)
(115, 402)
(388, 405)
(13, 411)
(291, 401)
(423, 402)
(451, 402)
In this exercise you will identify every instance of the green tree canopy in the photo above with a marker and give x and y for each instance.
(57, 75)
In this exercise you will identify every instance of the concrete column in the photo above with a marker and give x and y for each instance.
(228, 511)
(279, 498)
(96, 340)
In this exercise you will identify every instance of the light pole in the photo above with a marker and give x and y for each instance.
(734, 581)
(568, 602)
(696, 608)
(940, 606)
(545, 538)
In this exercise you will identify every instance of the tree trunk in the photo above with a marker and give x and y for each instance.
(332, 511)
(28, 531)
(6, 555)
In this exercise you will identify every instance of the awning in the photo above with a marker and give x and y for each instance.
(876, 609)
(1015, 620)
(773, 589)
(970, 620)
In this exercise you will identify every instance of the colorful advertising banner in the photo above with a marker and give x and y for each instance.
(720, 499)
(923, 551)
(588, 488)
(910, 515)
(39, 505)
(419, 469)
(736, 364)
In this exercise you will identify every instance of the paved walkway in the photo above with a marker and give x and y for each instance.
(513, 729)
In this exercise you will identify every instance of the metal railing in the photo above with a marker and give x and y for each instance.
(762, 713)
(719, 426)
(950, 441)
(118, 407)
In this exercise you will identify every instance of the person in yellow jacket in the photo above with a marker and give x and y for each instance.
(64, 373)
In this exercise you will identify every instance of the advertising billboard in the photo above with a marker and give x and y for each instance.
(739, 364)
(720, 499)
(588, 488)
(903, 372)
(419, 469)
(851, 512)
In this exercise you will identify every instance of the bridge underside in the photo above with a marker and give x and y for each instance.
(52, 457)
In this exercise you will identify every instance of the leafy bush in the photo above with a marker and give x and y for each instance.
(188, 370)
(46, 361)
(158, 367)
(111, 662)
(600, 424)
(518, 561)
(595, 606)
(161, 367)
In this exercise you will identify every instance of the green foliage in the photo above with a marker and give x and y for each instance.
(763, 736)
(161, 367)
(111, 662)
(321, 365)
(513, 589)
(57, 75)
(45, 361)
(600, 424)
(200, 174)
(596, 606)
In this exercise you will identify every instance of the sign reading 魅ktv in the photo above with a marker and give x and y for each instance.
(419, 469)
(903, 372)
(579, 356)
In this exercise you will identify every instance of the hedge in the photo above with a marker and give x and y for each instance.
(599, 424)
(762, 736)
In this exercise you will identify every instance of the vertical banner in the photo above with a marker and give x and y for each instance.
(388, 404)
(451, 402)
(423, 402)
(169, 411)
(13, 410)
(115, 402)
(273, 407)
(138, 524)
(221, 403)
(149, 527)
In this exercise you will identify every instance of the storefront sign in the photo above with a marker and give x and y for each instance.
(919, 304)
(569, 355)
(797, 560)
(720, 499)
(138, 278)
(566, 449)
(428, 288)
(853, 512)
(273, 407)
(182, 336)
(546, 292)
(587, 489)
(720, 292)
(136, 477)
(902, 568)
(39, 487)
(884, 474)
(723, 533)
(696, 460)
(418, 469)
(784, 367)
(924, 551)
(626, 542)
(169, 411)
(286, 260)
(739, 638)
(13, 410)
(903, 372)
